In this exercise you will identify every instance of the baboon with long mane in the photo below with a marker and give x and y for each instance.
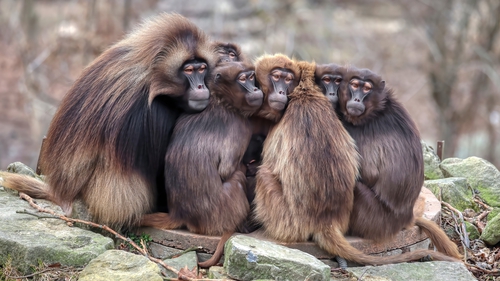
(107, 141)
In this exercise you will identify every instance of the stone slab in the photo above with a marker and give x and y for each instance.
(407, 240)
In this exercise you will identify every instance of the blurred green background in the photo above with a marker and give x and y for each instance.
(441, 57)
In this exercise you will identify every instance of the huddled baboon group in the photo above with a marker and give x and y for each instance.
(170, 129)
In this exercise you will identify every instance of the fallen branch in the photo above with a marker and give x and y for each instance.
(494, 272)
(143, 251)
(483, 204)
(464, 238)
(481, 225)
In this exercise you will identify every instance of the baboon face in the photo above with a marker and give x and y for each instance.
(197, 94)
(282, 81)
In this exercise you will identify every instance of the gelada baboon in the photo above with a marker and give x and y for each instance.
(391, 166)
(107, 141)
(277, 76)
(205, 180)
(305, 184)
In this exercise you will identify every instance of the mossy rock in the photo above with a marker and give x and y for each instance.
(481, 175)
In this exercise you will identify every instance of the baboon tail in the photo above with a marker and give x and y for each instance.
(333, 241)
(440, 240)
(31, 186)
(218, 251)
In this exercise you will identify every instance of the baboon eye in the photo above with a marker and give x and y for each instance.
(232, 55)
(251, 77)
(243, 78)
(367, 88)
(288, 78)
(327, 79)
(355, 84)
(189, 69)
(276, 77)
(337, 80)
(202, 68)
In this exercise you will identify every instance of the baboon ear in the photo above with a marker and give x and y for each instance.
(217, 77)
(382, 84)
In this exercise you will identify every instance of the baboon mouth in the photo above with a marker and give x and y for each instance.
(256, 98)
(198, 105)
(355, 111)
(279, 105)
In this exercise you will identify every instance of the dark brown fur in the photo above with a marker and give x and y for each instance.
(391, 167)
(306, 181)
(205, 180)
(107, 140)
(228, 52)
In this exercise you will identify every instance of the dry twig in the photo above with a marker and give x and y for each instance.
(464, 238)
(143, 250)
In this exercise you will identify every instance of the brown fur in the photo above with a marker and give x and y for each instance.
(306, 180)
(108, 137)
(223, 50)
(391, 165)
(205, 180)
(438, 237)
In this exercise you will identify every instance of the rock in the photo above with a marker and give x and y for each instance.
(431, 163)
(162, 252)
(188, 259)
(481, 175)
(471, 230)
(27, 240)
(217, 272)
(493, 214)
(120, 265)
(452, 190)
(247, 258)
(20, 168)
(429, 271)
(491, 233)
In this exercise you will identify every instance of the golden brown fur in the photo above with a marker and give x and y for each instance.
(437, 236)
(306, 181)
(108, 137)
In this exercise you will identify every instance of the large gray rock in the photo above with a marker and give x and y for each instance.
(247, 258)
(120, 265)
(188, 259)
(21, 168)
(27, 240)
(491, 233)
(455, 191)
(429, 271)
(480, 174)
(431, 163)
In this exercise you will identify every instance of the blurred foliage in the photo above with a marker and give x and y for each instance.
(441, 57)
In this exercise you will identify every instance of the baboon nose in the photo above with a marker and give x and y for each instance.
(200, 86)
